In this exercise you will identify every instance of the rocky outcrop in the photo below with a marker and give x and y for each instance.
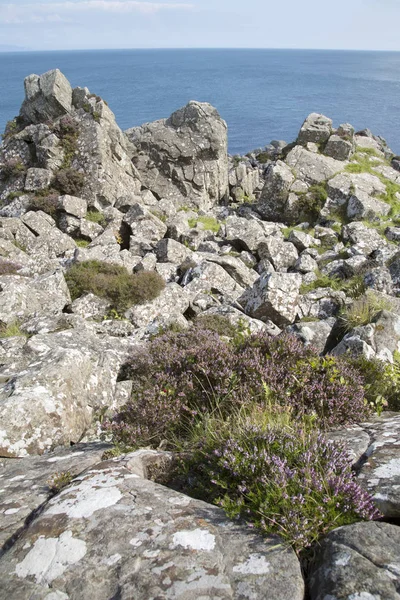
(184, 157)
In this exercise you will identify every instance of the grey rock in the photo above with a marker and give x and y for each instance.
(362, 206)
(358, 562)
(89, 306)
(46, 97)
(338, 148)
(168, 250)
(280, 253)
(246, 234)
(184, 158)
(311, 167)
(37, 179)
(235, 267)
(321, 303)
(278, 181)
(316, 128)
(27, 484)
(393, 234)
(144, 225)
(313, 333)
(171, 301)
(302, 240)
(364, 238)
(98, 528)
(73, 205)
(273, 297)
(209, 277)
(306, 264)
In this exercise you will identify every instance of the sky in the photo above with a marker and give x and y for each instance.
(95, 24)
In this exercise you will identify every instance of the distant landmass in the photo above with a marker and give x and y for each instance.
(7, 48)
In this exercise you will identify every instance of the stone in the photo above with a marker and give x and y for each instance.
(321, 303)
(171, 301)
(89, 306)
(316, 128)
(313, 333)
(273, 297)
(364, 238)
(27, 484)
(73, 206)
(184, 158)
(60, 383)
(393, 234)
(338, 148)
(208, 277)
(235, 267)
(278, 181)
(311, 167)
(144, 225)
(93, 535)
(22, 297)
(361, 206)
(302, 240)
(170, 251)
(306, 264)
(280, 253)
(37, 179)
(357, 562)
(240, 320)
(46, 97)
(245, 234)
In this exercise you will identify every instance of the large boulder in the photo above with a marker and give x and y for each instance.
(113, 534)
(47, 97)
(184, 158)
(316, 128)
(358, 562)
(311, 166)
(274, 297)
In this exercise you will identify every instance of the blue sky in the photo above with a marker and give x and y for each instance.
(78, 24)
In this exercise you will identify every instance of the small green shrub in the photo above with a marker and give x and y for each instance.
(11, 330)
(263, 157)
(12, 167)
(354, 287)
(81, 243)
(13, 195)
(310, 203)
(95, 216)
(59, 481)
(11, 129)
(114, 283)
(363, 311)
(69, 181)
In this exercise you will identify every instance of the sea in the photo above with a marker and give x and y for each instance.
(262, 94)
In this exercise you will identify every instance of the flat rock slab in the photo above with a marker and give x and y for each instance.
(374, 448)
(358, 562)
(24, 484)
(111, 534)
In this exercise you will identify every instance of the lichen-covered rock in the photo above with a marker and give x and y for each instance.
(246, 234)
(184, 157)
(93, 536)
(47, 97)
(362, 206)
(278, 180)
(338, 148)
(171, 301)
(274, 297)
(316, 128)
(280, 253)
(357, 562)
(312, 167)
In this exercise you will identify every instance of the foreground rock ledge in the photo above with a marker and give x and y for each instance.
(111, 534)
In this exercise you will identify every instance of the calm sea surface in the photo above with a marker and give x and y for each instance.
(262, 94)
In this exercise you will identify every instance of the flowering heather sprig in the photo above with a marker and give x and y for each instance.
(294, 483)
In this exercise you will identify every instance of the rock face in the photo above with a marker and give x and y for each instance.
(184, 158)
(359, 561)
(92, 537)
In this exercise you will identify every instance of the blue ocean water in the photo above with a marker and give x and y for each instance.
(262, 94)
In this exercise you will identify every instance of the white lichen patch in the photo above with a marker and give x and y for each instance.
(66, 457)
(197, 539)
(343, 560)
(179, 500)
(364, 596)
(256, 564)
(111, 560)
(90, 495)
(57, 595)
(151, 553)
(389, 469)
(51, 557)
(12, 511)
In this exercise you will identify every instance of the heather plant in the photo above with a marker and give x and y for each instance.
(45, 200)
(114, 283)
(8, 267)
(288, 480)
(69, 181)
(179, 377)
(12, 167)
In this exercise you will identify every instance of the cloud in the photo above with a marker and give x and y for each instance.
(62, 11)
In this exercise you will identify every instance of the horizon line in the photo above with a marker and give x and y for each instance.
(29, 51)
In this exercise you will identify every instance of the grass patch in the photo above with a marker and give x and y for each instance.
(81, 243)
(354, 287)
(363, 311)
(208, 223)
(94, 216)
(114, 283)
(13, 329)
